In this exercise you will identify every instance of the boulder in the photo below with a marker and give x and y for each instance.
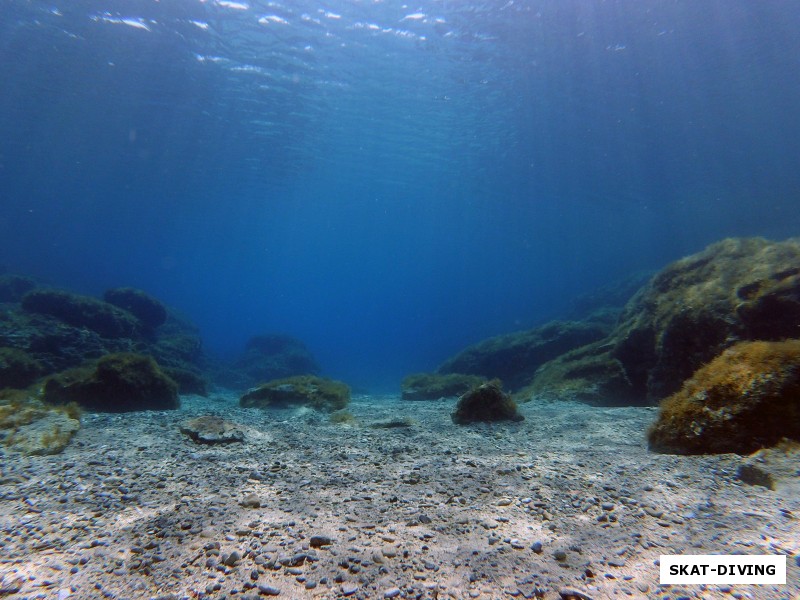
(514, 357)
(745, 399)
(117, 383)
(433, 386)
(734, 290)
(83, 311)
(268, 357)
(150, 311)
(307, 390)
(486, 403)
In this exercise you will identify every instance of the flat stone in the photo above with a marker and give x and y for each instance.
(209, 429)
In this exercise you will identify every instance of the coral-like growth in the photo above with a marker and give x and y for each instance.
(148, 310)
(486, 403)
(432, 386)
(83, 311)
(305, 390)
(745, 399)
(118, 383)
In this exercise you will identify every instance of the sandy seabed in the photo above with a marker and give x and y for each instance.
(567, 504)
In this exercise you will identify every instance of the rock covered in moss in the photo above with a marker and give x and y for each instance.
(18, 369)
(305, 390)
(745, 399)
(30, 427)
(486, 403)
(150, 311)
(83, 311)
(118, 383)
(514, 357)
(433, 386)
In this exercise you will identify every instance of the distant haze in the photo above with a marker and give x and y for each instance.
(388, 181)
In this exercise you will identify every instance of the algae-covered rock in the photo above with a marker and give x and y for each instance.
(31, 427)
(83, 311)
(117, 383)
(433, 386)
(150, 311)
(18, 369)
(486, 403)
(305, 390)
(745, 399)
(514, 358)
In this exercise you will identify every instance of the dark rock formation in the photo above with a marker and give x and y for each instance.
(148, 310)
(307, 390)
(486, 403)
(118, 383)
(268, 357)
(83, 311)
(514, 358)
(18, 369)
(734, 290)
(745, 399)
(432, 386)
(14, 287)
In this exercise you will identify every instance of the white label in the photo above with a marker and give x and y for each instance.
(720, 568)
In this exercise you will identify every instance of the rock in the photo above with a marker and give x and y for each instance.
(268, 357)
(251, 501)
(745, 399)
(734, 290)
(18, 369)
(318, 541)
(513, 358)
(148, 310)
(14, 287)
(31, 427)
(118, 383)
(308, 390)
(569, 593)
(83, 311)
(486, 403)
(774, 468)
(209, 429)
(433, 386)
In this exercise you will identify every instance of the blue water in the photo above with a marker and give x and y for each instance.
(387, 181)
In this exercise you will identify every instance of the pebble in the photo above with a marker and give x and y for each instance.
(251, 501)
(537, 547)
(569, 593)
(268, 590)
(317, 541)
(348, 589)
(391, 593)
(560, 555)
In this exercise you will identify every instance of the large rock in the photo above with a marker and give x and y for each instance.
(150, 311)
(745, 399)
(14, 287)
(308, 390)
(513, 358)
(18, 369)
(118, 383)
(83, 311)
(486, 403)
(268, 357)
(734, 290)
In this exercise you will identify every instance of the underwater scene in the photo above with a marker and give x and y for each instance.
(371, 299)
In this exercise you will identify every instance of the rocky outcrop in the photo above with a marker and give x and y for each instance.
(117, 383)
(513, 358)
(433, 386)
(310, 391)
(745, 399)
(268, 357)
(734, 290)
(150, 311)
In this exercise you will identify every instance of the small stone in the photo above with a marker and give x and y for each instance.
(560, 555)
(424, 519)
(251, 501)
(268, 590)
(391, 593)
(231, 559)
(537, 547)
(568, 593)
(348, 589)
(318, 541)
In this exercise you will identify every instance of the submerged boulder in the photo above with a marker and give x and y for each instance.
(745, 399)
(118, 383)
(268, 357)
(150, 311)
(514, 357)
(734, 290)
(83, 311)
(486, 403)
(433, 386)
(307, 390)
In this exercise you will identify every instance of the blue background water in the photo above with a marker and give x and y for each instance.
(388, 182)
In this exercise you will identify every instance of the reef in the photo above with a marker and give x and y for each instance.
(433, 386)
(305, 390)
(117, 383)
(267, 357)
(734, 290)
(745, 399)
(514, 358)
(486, 403)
